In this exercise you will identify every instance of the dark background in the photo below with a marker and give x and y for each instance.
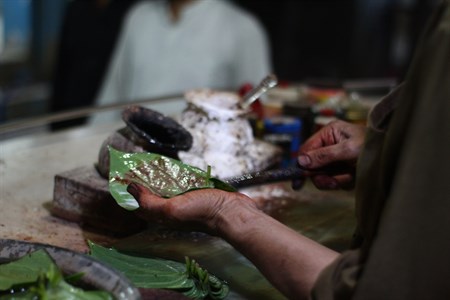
(310, 40)
(341, 38)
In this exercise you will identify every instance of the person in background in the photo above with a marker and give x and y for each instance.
(168, 47)
(88, 36)
(401, 244)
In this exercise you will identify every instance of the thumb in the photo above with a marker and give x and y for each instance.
(135, 190)
(319, 157)
(143, 196)
(151, 206)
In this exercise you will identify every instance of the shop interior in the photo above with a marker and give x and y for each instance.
(319, 42)
(332, 59)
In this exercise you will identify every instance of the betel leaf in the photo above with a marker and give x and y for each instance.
(24, 270)
(36, 276)
(162, 175)
(146, 272)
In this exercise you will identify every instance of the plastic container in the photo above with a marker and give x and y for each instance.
(285, 132)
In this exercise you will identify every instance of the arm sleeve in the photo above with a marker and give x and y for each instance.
(408, 255)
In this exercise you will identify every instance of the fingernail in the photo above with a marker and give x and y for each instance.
(133, 189)
(304, 160)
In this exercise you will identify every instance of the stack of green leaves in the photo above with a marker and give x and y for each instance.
(145, 272)
(36, 276)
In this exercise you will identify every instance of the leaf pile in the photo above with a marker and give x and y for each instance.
(162, 175)
(36, 276)
(144, 272)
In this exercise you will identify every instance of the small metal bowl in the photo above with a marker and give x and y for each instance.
(96, 274)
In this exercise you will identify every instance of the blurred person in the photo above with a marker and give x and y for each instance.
(400, 247)
(88, 35)
(168, 47)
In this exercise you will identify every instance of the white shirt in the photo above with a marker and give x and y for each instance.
(212, 45)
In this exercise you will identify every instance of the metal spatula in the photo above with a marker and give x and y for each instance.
(267, 83)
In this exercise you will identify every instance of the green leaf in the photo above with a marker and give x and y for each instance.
(162, 175)
(36, 276)
(145, 272)
(24, 270)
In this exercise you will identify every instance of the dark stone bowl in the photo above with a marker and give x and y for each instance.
(155, 130)
(146, 131)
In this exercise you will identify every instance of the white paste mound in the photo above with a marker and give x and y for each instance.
(222, 136)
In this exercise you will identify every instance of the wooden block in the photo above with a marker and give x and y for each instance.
(82, 195)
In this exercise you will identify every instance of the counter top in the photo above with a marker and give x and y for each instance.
(27, 169)
(29, 164)
(30, 159)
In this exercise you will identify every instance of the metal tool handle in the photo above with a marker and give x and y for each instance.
(267, 83)
(284, 174)
(265, 177)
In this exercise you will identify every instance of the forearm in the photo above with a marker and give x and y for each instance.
(290, 261)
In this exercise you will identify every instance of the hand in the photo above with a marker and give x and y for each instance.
(195, 210)
(338, 142)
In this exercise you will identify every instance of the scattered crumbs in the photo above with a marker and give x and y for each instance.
(266, 192)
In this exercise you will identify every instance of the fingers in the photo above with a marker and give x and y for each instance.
(141, 194)
(151, 206)
(197, 206)
(324, 182)
(135, 190)
(346, 181)
(297, 183)
(325, 155)
(338, 141)
(319, 139)
(320, 149)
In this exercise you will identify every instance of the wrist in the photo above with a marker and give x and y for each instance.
(237, 215)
